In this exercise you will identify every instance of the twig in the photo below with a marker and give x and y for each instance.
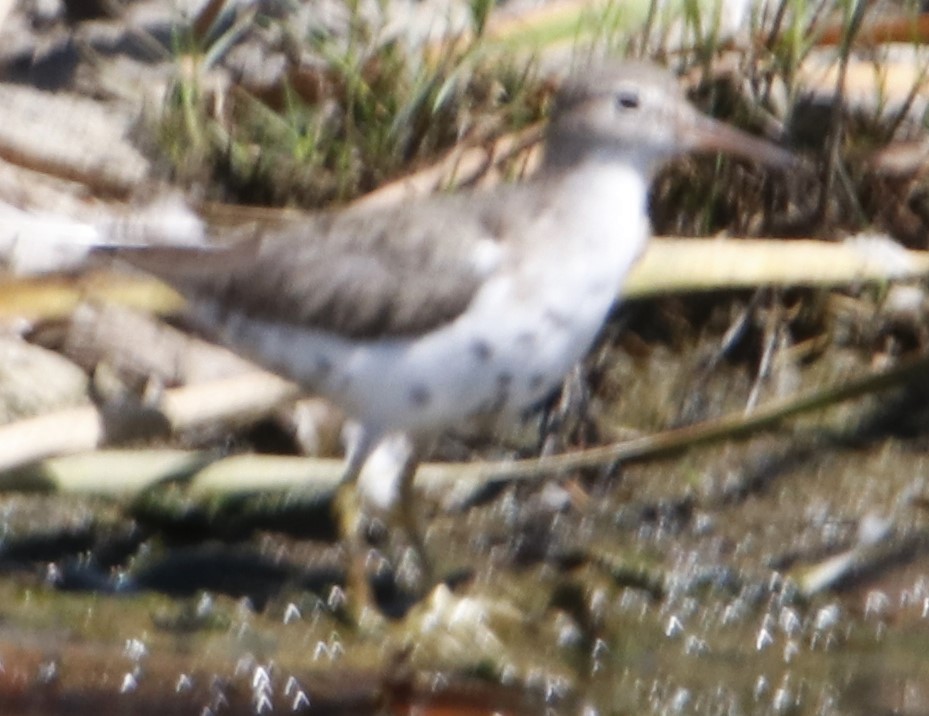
(733, 425)
(240, 399)
(253, 473)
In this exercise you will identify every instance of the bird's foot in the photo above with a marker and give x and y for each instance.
(390, 590)
(360, 603)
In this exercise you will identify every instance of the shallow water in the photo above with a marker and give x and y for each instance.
(781, 574)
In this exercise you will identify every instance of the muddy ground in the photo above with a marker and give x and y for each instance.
(780, 571)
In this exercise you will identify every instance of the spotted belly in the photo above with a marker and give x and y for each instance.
(427, 384)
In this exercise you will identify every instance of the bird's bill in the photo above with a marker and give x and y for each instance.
(708, 135)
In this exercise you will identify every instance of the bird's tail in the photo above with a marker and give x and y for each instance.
(38, 242)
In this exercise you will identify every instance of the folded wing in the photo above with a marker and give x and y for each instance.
(363, 274)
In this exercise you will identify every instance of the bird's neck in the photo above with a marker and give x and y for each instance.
(589, 228)
(600, 192)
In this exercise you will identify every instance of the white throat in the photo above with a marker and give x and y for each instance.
(605, 205)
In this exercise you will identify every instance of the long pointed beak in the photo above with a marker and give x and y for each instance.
(707, 135)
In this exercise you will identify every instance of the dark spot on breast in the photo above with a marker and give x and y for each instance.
(420, 396)
(557, 318)
(504, 380)
(481, 350)
(536, 381)
(323, 367)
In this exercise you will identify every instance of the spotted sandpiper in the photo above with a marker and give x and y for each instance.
(418, 317)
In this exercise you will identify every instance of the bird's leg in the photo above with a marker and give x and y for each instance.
(348, 514)
(380, 472)
(405, 510)
(386, 482)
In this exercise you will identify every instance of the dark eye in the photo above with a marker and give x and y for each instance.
(627, 99)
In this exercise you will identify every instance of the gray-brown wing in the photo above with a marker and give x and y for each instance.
(363, 274)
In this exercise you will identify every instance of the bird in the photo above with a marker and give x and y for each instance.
(462, 306)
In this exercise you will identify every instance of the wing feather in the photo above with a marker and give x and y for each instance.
(361, 273)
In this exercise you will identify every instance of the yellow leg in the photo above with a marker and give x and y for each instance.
(349, 519)
(405, 512)
(399, 501)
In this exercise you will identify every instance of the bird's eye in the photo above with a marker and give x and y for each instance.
(627, 99)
